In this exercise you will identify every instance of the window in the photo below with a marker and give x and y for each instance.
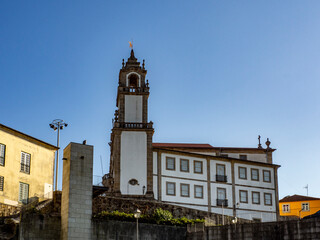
(254, 174)
(223, 155)
(221, 173)
(2, 154)
(1, 183)
(267, 199)
(197, 167)
(23, 193)
(242, 173)
(255, 197)
(222, 195)
(243, 196)
(170, 163)
(198, 191)
(286, 208)
(184, 165)
(25, 162)
(171, 188)
(266, 176)
(305, 207)
(184, 190)
(243, 157)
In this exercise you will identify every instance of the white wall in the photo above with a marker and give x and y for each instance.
(253, 157)
(133, 108)
(177, 197)
(155, 163)
(133, 161)
(264, 216)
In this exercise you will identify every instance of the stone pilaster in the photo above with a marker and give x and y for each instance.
(149, 192)
(76, 205)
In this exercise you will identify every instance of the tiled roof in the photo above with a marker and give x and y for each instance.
(182, 145)
(297, 198)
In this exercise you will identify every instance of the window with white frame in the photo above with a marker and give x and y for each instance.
(170, 163)
(305, 207)
(255, 197)
(198, 191)
(254, 174)
(184, 165)
(25, 162)
(266, 176)
(2, 154)
(184, 190)
(171, 188)
(267, 199)
(198, 167)
(243, 196)
(242, 173)
(23, 192)
(286, 208)
(1, 183)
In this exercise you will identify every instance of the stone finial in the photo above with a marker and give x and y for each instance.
(147, 84)
(123, 62)
(116, 116)
(259, 145)
(268, 143)
(143, 64)
(132, 54)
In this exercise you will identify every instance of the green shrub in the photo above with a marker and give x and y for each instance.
(161, 215)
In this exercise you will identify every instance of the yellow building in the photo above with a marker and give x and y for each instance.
(26, 167)
(299, 206)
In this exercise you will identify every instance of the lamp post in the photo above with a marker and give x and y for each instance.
(137, 215)
(57, 124)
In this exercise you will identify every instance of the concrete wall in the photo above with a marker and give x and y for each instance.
(133, 162)
(294, 230)
(41, 167)
(76, 205)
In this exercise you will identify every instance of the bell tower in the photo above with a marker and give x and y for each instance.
(131, 161)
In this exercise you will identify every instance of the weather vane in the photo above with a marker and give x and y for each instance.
(130, 44)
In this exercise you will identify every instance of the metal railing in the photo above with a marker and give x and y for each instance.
(135, 89)
(221, 178)
(222, 202)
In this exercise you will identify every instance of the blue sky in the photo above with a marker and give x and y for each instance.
(220, 72)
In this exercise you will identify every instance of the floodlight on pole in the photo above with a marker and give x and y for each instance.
(57, 124)
(137, 215)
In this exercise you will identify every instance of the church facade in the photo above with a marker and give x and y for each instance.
(239, 182)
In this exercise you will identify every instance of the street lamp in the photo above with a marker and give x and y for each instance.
(137, 215)
(57, 124)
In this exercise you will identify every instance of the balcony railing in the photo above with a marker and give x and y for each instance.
(135, 89)
(133, 125)
(221, 178)
(222, 202)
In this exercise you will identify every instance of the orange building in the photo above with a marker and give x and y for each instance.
(297, 205)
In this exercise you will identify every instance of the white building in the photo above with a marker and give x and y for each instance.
(238, 182)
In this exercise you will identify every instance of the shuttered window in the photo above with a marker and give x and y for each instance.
(1, 183)
(2, 154)
(23, 193)
(25, 162)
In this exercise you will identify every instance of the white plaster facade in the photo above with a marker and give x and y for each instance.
(133, 108)
(133, 163)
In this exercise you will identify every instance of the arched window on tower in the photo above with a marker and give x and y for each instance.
(133, 81)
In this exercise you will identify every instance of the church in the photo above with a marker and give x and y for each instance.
(238, 182)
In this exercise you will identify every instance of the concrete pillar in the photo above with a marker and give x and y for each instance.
(76, 204)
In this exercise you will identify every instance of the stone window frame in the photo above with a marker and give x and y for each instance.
(188, 187)
(303, 209)
(240, 199)
(174, 189)
(243, 156)
(2, 154)
(195, 187)
(224, 166)
(265, 199)
(1, 183)
(252, 194)
(194, 166)
(255, 169)
(245, 171)
(188, 165)
(286, 208)
(174, 163)
(25, 164)
(264, 176)
(225, 193)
